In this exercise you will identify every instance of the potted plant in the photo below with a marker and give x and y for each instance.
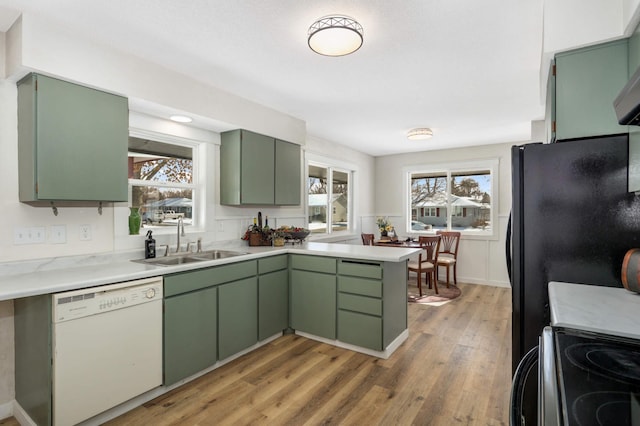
(384, 226)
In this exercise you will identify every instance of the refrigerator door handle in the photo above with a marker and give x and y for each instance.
(508, 249)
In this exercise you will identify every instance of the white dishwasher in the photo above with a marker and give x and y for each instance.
(107, 347)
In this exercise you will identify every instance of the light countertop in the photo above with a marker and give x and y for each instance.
(608, 310)
(91, 271)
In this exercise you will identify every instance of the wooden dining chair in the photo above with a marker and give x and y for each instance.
(367, 239)
(427, 261)
(448, 257)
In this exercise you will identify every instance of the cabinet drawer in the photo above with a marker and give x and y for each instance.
(360, 330)
(367, 305)
(361, 286)
(360, 268)
(184, 282)
(273, 263)
(314, 263)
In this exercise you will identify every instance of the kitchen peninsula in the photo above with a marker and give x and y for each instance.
(349, 296)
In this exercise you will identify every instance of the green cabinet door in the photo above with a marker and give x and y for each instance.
(288, 174)
(587, 81)
(72, 142)
(190, 334)
(360, 329)
(246, 168)
(313, 303)
(634, 52)
(273, 303)
(256, 169)
(238, 316)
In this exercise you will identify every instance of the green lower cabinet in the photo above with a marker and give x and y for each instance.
(273, 303)
(360, 329)
(313, 303)
(238, 316)
(190, 334)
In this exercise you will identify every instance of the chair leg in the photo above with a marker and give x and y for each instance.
(447, 276)
(455, 274)
(420, 283)
(435, 282)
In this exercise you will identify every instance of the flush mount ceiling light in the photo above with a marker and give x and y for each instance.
(419, 134)
(181, 118)
(335, 35)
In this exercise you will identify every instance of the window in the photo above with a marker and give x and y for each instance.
(328, 191)
(453, 198)
(162, 182)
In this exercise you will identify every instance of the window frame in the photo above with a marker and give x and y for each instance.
(332, 166)
(196, 186)
(452, 169)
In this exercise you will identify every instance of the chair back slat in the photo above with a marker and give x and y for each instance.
(450, 241)
(431, 247)
(367, 239)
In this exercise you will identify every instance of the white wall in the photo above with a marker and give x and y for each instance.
(480, 261)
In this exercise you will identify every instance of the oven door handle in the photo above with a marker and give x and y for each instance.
(527, 363)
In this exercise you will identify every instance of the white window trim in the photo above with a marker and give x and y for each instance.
(491, 164)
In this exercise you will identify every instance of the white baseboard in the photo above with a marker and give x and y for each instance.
(21, 416)
(6, 410)
(385, 354)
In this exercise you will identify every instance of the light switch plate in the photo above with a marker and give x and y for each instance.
(58, 234)
(38, 235)
(21, 236)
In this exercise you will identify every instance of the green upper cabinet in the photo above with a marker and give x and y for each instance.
(258, 170)
(586, 83)
(287, 174)
(72, 142)
(634, 52)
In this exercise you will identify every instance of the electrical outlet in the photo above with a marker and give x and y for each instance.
(58, 234)
(85, 232)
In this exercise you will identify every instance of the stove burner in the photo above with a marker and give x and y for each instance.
(607, 408)
(620, 364)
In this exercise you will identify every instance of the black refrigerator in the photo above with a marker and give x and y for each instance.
(572, 220)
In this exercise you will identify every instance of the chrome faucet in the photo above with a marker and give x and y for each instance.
(180, 225)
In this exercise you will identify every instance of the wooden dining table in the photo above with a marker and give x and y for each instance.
(398, 243)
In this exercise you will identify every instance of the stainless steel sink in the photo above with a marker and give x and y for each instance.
(190, 257)
(216, 254)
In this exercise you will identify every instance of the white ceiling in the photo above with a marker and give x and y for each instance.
(468, 69)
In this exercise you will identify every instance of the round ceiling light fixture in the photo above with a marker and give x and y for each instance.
(419, 134)
(335, 35)
(181, 119)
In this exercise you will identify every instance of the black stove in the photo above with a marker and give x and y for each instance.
(598, 378)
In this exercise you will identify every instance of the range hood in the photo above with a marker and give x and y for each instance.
(627, 103)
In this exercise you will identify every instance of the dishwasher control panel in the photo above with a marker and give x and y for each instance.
(91, 301)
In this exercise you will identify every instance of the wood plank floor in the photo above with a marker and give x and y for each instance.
(453, 370)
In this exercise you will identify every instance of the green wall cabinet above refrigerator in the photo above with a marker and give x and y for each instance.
(587, 81)
(72, 142)
(258, 170)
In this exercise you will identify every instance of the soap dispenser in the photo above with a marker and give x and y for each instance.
(149, 247)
